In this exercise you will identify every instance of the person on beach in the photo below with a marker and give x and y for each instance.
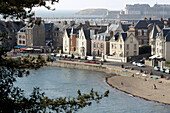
(154, 86)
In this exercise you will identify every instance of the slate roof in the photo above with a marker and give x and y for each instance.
(123, 27)
(116, 36)
(144, 24)
(154, 32)
(48, 26)
(113, 27)
(124, 36)
(165, 31)
(87, 34)
(167, 37)
(10, 27)
(68, 32)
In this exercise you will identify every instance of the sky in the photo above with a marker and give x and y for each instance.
(107, 4)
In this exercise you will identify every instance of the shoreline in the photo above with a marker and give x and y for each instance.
(136, 86)
(128, 91)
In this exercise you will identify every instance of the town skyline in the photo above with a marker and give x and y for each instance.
(109, 4)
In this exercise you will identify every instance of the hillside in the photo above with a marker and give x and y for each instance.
(92, 12)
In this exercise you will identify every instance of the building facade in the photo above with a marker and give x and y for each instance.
(35, 34)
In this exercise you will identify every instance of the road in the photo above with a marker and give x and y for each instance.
(146, 68)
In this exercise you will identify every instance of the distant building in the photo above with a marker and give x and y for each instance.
(10, 29)
(49, 29)
(35, 33)
(139, 11)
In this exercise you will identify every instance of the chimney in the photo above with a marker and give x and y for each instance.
(73, 46)
(145, 19)
(132, 23)
(64, 22)
(111, 34)
(87, 23)
(161, 19)
(81, 25)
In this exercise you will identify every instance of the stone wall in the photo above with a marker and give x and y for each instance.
(93, 67)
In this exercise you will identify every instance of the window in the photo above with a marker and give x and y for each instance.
(115, 46)
(94, 45)
(112, 46)
(139, 32)
(127, 46)
(98, 45)
(131, 40)
(19, 36)
(135, 53)
(145, 32)
(145, 41)
(101, 45)
(20, 42)
(82, 43)
(120, 46)
(99, 38)
(23, 37)
(127, 53)
(95, 37)
(135, 46)
(23, 42)
(140, 42)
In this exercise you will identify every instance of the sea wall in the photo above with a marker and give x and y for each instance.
(92, 67)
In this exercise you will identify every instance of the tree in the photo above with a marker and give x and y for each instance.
(21, 9)
(12, 98)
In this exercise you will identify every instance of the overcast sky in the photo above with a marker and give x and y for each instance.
(108, 4)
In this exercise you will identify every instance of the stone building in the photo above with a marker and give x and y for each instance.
(139, 11)
(21, 38)
(10, 29)
(123, 45)
(35, 33)
(143, 29)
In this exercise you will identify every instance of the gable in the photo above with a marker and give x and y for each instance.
(131, 35)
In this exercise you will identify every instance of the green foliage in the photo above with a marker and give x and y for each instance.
(167, 64)
(21, 9)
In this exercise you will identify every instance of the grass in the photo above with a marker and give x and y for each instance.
(167, 64)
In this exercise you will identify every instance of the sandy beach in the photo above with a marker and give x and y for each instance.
(142, 88)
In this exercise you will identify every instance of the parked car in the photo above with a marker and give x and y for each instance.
(90, 58)
(162, 69)
(83, 57)
(142, 61)
(167, 71)
(157, 68)
(76, 57)
(70, 56)
(53, 54)
(134, 63)
(58, 55)
(140, 65)
(64, 56)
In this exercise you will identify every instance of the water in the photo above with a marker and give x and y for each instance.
(58, 82)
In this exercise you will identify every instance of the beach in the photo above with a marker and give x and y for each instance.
(142, 88)
(121, 79)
